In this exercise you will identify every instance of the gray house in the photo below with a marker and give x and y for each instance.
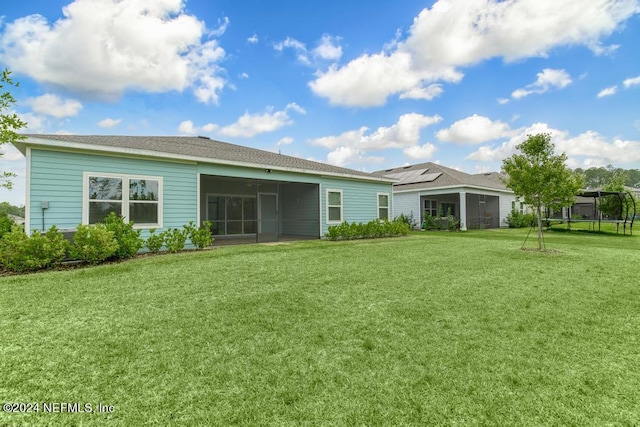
(478, 200)
(161, 182)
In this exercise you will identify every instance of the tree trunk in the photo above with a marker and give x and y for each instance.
(539, 208)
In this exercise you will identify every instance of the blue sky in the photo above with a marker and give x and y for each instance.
(457, 82)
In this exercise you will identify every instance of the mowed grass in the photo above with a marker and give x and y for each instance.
(433, 329)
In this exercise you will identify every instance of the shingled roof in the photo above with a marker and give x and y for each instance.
(200, 149)
(448, 178)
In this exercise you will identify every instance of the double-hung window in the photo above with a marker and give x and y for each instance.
(334, 205)
(430, 207)
(136, 198)
(383, 205)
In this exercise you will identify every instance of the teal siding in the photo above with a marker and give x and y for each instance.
(359, 199)
(57, 177)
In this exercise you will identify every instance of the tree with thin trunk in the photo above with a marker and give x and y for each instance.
(541, 178)
(10, 123)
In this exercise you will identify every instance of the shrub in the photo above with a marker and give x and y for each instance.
(517, 219)
(373, 229)
(174, 239)
(93, 243)
(128, 239)
(20, 252)
(429, 222)
(200, 236)
(5, 225)
(407, 219)
(154, 241)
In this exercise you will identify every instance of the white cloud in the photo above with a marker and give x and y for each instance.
(503, 101)
(453, 34)
(35, 122)
(608, 91)
(585, 150)
(104, 47)
(353, 145)
(10, 153)
(223, 24)
(285, 141)
(52, 105)
(631, 82)
(420, 152)
(253, 39)
(249, 125)
(187, 127)
(474, 130)
(297, 46)
(547, 79)
(210, 127)
(328, 48)
(109, 123)
(427, 93)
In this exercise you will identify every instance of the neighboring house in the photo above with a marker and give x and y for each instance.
(162, 182)
(16, 219)
(479, 201)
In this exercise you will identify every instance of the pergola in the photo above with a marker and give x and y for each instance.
(590, 212)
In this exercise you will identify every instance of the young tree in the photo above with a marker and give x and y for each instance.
(541, 178)
(10, 123)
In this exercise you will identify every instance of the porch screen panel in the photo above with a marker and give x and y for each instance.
(216, 207)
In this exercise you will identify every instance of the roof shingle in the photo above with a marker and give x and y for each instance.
(198, 148)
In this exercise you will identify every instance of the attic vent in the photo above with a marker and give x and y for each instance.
(406, 167)
(203, 137)
(388, 170)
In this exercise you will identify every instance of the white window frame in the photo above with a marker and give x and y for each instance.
(388, 207)
(126, 178)
(431, 208)
(330, 221)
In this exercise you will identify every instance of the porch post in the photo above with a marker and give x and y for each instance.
(463, 210)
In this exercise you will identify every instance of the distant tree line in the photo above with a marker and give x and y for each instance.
(603, 176)
(7, 208)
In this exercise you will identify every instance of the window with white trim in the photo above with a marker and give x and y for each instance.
(430, 207)
(137, 198)
(334, 205)
(383, 205)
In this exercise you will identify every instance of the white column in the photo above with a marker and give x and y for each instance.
(463, 211)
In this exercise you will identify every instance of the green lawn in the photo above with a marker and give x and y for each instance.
(436, 328)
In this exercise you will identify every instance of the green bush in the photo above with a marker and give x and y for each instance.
(200, 236)
(20, 252)
(407, 219)
(128, 239)
(517, 219)
(373, 229)
(5, 225)
(174, 239)
(93, 243)
(155, 241)
(443, 222)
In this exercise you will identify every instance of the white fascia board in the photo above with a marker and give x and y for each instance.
(177, 157)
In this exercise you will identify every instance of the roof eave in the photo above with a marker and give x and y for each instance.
(34, 141)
